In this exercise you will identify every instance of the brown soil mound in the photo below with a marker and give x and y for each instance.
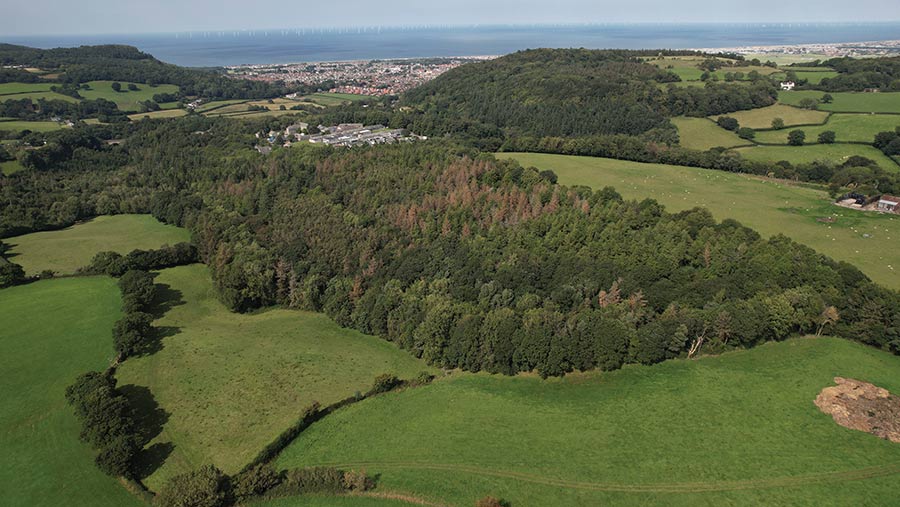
(862, 406)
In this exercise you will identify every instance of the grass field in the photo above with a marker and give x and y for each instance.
(371, 499)
(165, 113)
(848, 102)
(10, 167)
(762, 117)
(233, 382)
(8, 88)
(847, 127)
(702, 134)
(217, 104)
(53, 331)
(737, 429)
(815, 76)
(35, 96)
(125, 99)
(809, 153)
(34, 126)
(770, 207)
(66, 250)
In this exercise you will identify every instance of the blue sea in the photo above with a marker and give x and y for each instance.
(221, 48)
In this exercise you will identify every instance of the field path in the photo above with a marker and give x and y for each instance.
(675, 487)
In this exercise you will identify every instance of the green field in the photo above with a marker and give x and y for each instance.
(815, 76)
(208, 106)
(848, 102)
(233, 382)
(702, 134)
(859, 128)
(809, 153)
(10, 167)
(769, 206)
(69, 249)
(736, 429)
(762, 117)
(53, 331)
(34, 126)
(35, 96)
(371, 499)
(125, 99)
(9, 88)
(165, 113)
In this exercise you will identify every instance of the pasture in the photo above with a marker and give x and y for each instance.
(334, 99)
(68, 249)
(35, 96)
(837, 153)
(34, 126)
(736, 429)
(163, 113)
(126, 100)
(848, 102)
(769, 206)
(859, 128)
(703, 134)
(231, 383)
(814, 76)
(762, 117)
(53, 331)
(10, 88)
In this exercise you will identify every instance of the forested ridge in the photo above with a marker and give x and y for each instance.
(459, 258)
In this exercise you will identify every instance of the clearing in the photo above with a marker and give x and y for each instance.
(847, 102)
(761, 118)
(164, 113)
(126, 100)
(703, 134)
(53, 331)
(68, 249)
(10, 167)
(231, 383)
(10, 88)
(857, 128)
(739, 428)
(34, 126)
(769, 206)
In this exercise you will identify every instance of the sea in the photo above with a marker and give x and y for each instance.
(239, 47)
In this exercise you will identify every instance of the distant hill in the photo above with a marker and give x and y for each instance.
(571, 93)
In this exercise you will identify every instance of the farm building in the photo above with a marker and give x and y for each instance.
(787, 85)
(889, 204)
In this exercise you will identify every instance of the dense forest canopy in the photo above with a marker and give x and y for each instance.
(464, 260)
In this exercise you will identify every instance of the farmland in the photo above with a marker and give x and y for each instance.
(702, 134)
(11, 88)
(802, 154)
(165, 113)
(769, 206)
(34, 126)
(762, 118)
(66, 250)
(334, 99)
(232, 382)
(739, 428)
(815, 76)
(35, 96)
(859, 128)
(848, 102)
(126, 100)
(45, 464)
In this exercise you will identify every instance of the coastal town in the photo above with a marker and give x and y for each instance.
(364, 77)
(866, 49)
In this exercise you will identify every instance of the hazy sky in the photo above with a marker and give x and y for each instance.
(58, 17)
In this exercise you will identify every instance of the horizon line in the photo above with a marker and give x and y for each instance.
(450, 26)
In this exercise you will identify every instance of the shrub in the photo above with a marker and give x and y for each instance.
(384, 383)
(727, 123)
(490, 501)
(255, 481)
(808, 103)
(357, 481)
(204, 487)
(421, 379)
(10, 274)
(312, 480)
(796, 137)
(827, 137)
(777, 123)
(746, 133)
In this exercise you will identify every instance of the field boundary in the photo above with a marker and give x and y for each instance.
(683, 487)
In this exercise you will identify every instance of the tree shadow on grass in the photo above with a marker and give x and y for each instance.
(164, 299)
(150, 419)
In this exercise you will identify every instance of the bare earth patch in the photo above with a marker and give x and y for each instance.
(862, 406)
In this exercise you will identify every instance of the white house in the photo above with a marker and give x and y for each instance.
(888, 203)
(787, 85)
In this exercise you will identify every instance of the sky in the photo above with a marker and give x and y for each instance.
(63, 17)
